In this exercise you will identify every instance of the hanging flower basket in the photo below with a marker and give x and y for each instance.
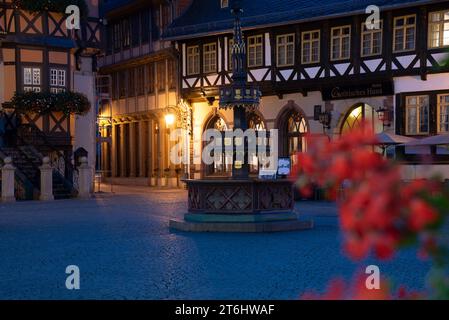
(58, 6)
(45, 102)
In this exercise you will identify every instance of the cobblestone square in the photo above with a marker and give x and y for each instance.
(124, 250)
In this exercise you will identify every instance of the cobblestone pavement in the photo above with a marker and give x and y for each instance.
(125, 250)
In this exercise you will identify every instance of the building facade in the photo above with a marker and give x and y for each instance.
(39, 53)
(141, 72)
(321, 69)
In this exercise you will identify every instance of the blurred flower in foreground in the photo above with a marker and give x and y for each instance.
(379, 212)
(339, 289)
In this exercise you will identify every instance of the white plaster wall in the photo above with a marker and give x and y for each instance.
(414, 83)
(271, 108)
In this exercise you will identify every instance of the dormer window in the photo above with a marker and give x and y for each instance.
(224, 3)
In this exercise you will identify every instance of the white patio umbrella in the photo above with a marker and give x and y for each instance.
(390, 139)
(439, 140)
(386, 140)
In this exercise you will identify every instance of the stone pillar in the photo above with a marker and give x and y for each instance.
(132, 149)
(8, 180)
(161, 141)
(84, 183)
(122, 155)
(46, 180)
(114, 170)
(151, 152)
(142, 154)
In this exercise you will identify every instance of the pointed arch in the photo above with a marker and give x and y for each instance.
(293, 126)
(356, 115)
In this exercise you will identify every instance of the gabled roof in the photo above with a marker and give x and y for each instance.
(205, 17)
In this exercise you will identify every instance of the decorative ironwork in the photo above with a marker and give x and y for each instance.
(239, 197)
(239, 93)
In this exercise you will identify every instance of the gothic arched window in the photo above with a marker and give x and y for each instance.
(359, 114)
(222, 164)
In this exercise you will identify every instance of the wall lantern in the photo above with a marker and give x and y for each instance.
(384, 116)
(169, 119)
(325, 118)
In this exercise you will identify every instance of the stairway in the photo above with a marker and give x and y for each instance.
(27, 162)
(60, 189)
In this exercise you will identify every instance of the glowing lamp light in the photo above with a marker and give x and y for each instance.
(169, 119)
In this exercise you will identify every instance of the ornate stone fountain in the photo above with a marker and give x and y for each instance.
(240, 203)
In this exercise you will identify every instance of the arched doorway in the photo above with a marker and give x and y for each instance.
(293, 128)
(359, 114)
(222, 164)
(256, 123)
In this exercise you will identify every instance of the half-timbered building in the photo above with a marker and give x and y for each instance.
(38, 53)
(141, 72)
(320, 68)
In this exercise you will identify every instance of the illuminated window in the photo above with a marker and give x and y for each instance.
(404, 33)
(341, 43)
(443, 113)
(256, 123)
(193, 60)
(224, 4)
(360, 114)
(296, 131)
(210, 58)
(371, 41)
(286, 50)
(222, 161)
(255, 51)
(311, 47)
(439, 29)
(417, 115)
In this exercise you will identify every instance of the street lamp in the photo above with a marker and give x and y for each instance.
(324, 118)
(384, 116)
(169, 119)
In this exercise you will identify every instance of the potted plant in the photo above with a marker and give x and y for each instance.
(153, 178)
(166, 180)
